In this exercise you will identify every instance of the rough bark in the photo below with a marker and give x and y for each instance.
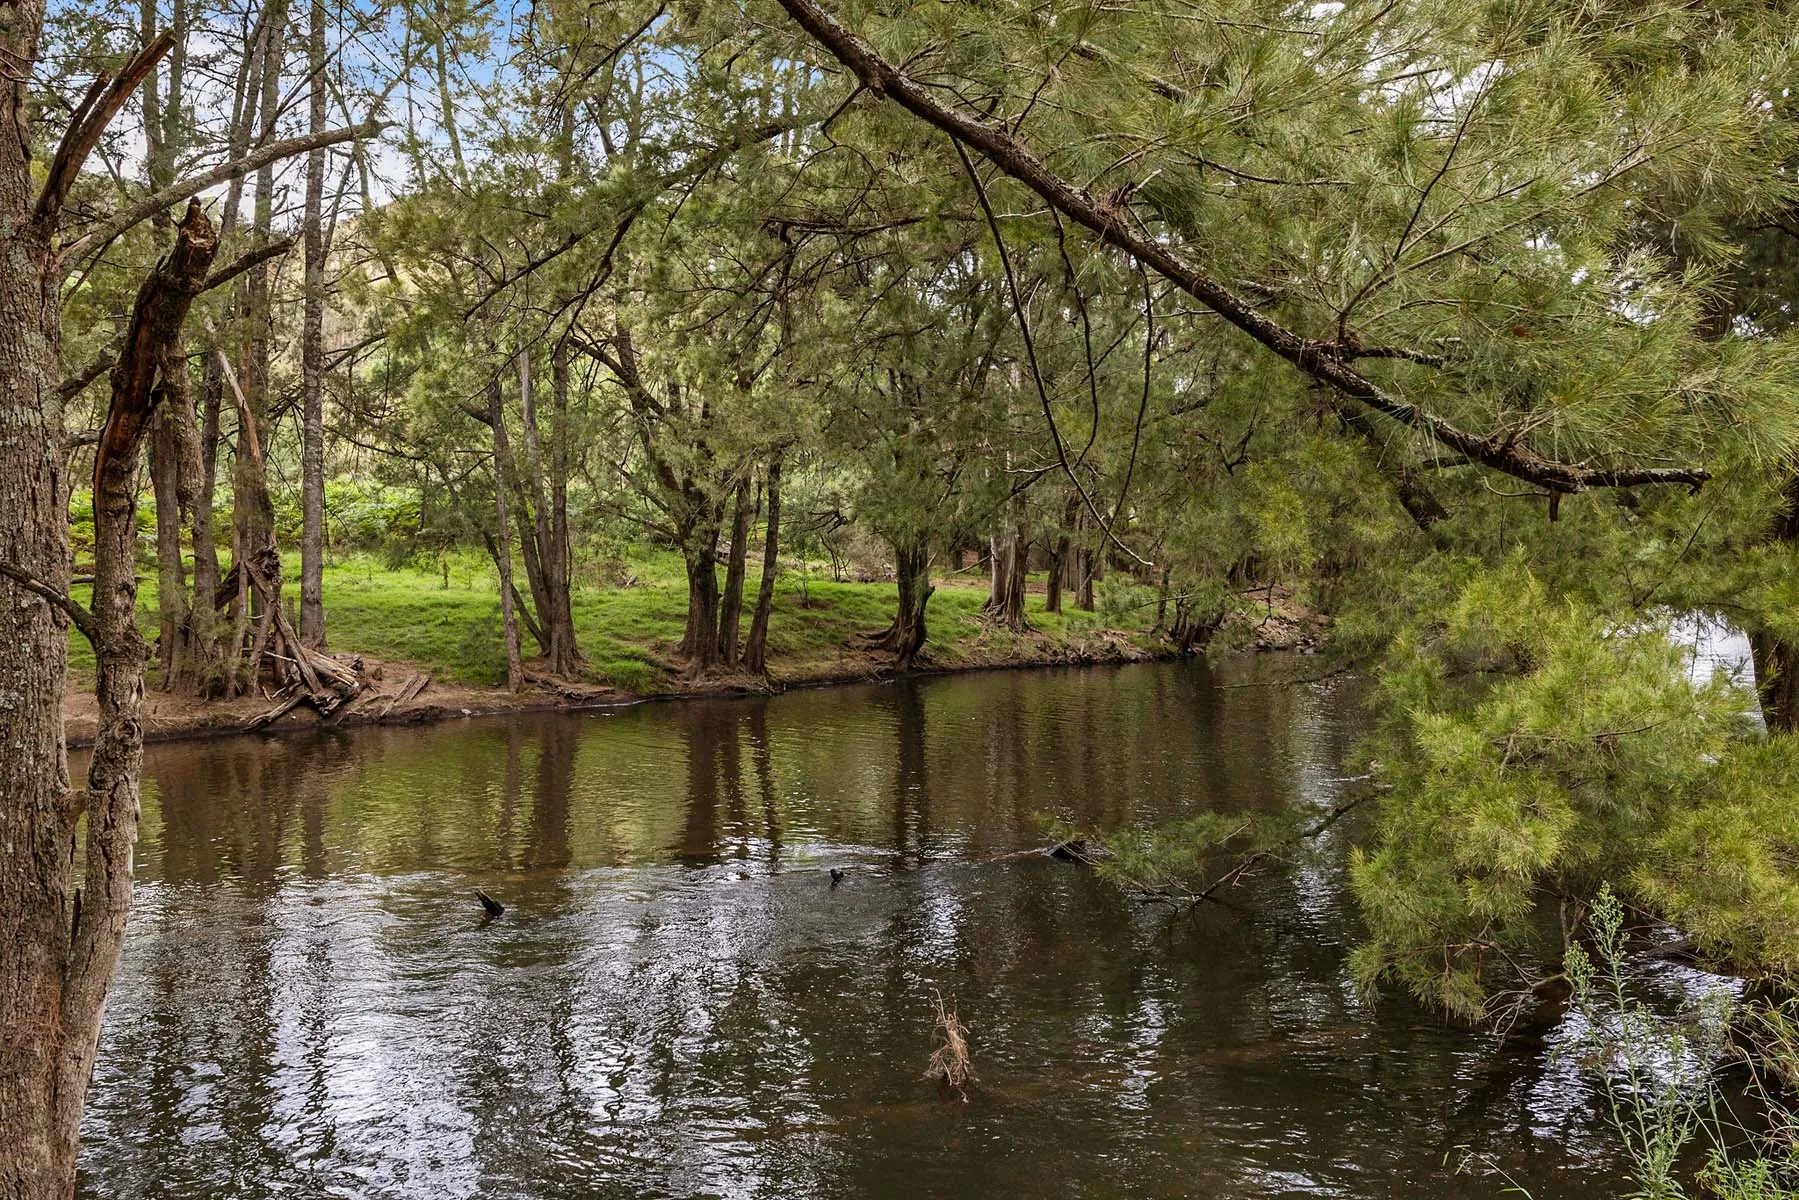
(730, 610)
(312, 353)
(905, 636)
(755, 650)
(913, 563)
(37, 813)
(198, 668)
(1010, 550)
(256, 559)
(496, 416)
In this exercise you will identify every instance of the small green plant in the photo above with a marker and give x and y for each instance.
(1658, 1070)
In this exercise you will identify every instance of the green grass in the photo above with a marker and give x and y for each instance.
(448, 621)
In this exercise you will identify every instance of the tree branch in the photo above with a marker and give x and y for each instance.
(238, 266)
(1318, 359)
(95, 112)
(237, 168)
(80, 617)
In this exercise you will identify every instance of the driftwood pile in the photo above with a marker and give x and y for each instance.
(327, 684)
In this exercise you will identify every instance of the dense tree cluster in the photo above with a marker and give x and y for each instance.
(1467, 323)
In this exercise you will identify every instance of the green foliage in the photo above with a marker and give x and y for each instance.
(1535, 748)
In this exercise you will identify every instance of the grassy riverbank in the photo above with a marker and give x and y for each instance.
(446, 621)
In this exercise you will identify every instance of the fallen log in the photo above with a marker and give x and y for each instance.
(415, 683)
(276, 713)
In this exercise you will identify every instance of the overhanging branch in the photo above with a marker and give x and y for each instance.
(1324, 361)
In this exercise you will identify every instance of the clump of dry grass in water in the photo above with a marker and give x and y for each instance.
(951, 1064)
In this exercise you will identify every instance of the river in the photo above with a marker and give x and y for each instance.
(679, 1003)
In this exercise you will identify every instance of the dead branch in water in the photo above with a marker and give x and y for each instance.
(1246, 865)
(952, 1067)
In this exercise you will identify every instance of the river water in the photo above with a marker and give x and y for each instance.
(678, 1002)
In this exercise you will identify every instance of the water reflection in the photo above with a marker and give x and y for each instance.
(678, 1003)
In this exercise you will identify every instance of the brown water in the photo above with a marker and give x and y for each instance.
(678, 1003)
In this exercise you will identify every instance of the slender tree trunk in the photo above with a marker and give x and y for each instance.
(527, 487)
(258, 563)
(247, 90)
(1058, 558)
(1082, 565)
(999, 561)
(543, 534)
(755, 651)
(199, 671)
(312, 354)
(730, 612)
(565, 654)
(171, 578)
(496, 415)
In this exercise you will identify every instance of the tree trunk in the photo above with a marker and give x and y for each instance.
(699, 645)
(913, 564)
(543, 521)
(496, 415)
(312, 355)
(1052, 595)
(730, 612)
(755, 651)
(171, 578)
(57, 950)
(257, 562)
(527, 491)
(565, 654)
(255, 373)
(1058, 558)
(999, 561)
(119, 649)
(199, 666)
(1776, 659)
(1005, 602)
(256, 557)
(37, 813)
